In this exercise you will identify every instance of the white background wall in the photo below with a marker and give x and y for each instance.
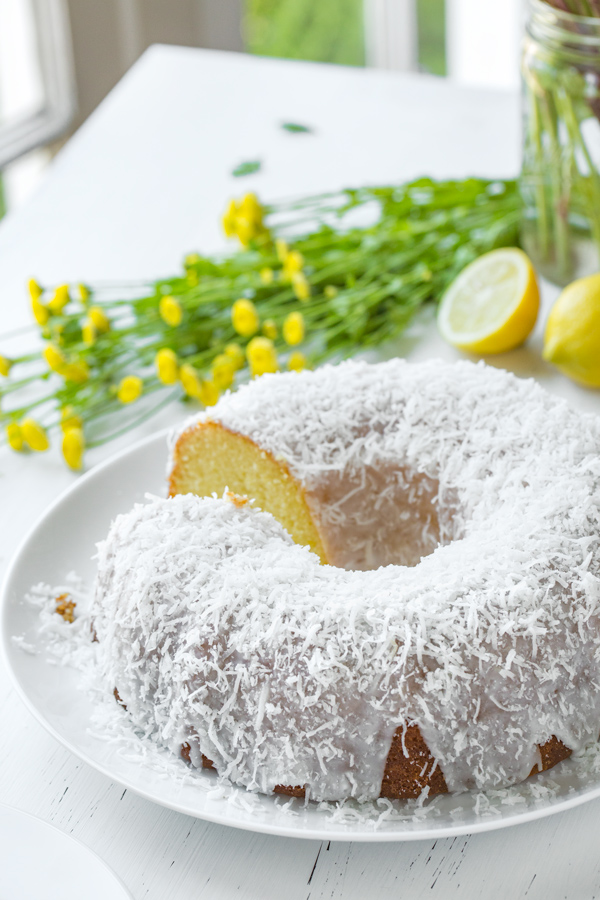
(483, 39)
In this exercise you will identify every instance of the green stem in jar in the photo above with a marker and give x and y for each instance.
(588, 186)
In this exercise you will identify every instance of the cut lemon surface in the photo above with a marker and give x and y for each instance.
(492, 305)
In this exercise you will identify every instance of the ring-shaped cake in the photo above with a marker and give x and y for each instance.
(411, 605)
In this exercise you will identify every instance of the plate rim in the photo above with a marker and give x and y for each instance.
(9, 808)
(337, 833)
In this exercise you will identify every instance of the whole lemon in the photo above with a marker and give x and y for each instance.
(572, 338)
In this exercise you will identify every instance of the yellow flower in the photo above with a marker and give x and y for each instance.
(301, 286)
(297, 361)
(293, 329)
(5, 365)
(84, 293)
(99, 319)
(69, 419)
(250, 207)
(245, 230)
(330, 291)
(130, 389)
(55, 358)
(14, 436)
(244, 219)
(190, 381)
(292, 264)
(261, 356)
(230, 218)
(236, 355)
(244, 317)
(223, 371)
(281, 248)
(34, 435)
(170, 311)
(269, 329)
(59, 300)
(73, 445)
(266, 276)
(35, 291)
(41, 313)
(167, 367)
(209, 393)
(191, 259)
(88, 332)
(77, 372)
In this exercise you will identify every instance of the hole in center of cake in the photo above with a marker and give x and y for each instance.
(376, 516)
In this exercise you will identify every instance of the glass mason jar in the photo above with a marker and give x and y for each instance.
(560, 178)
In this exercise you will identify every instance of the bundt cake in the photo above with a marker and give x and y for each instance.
(450, 640)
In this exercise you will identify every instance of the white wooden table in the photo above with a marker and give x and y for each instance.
(142, 183)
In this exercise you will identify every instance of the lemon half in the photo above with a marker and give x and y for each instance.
(493, 304)
(572, 338)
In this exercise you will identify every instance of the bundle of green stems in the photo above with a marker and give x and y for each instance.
(589, 8)
(318, 279)
(560, 180)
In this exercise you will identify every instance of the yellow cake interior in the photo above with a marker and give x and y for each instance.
(211, 459)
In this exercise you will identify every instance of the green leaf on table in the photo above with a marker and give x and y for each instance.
(247, 168)
(296, 128)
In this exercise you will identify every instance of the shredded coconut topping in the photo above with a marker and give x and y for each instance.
(217, 630)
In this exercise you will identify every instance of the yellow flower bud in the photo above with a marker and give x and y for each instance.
(251, 208)
(281, 248)
(77, 372)
(34, 435)
(292, 264)
(245, 230)
(5, 365)
(41, 313)
(330, 291)
(55, 358)
(301, 286)
(192, 259)
(73, 445)
(59, 300)
(297, 361)
(69, 419)
(88, 332)
(244, 317)
(209, 393)
(190, 381)
(84, 293)
(269, 329)
(266, 276)
(293, 329)
(99, 319)
(130, 389)
(167, 367)
(35, 291)
(236, 355)
(170, 311)
(223, 371)
(14, 436)
(262, 357)
(244, 219)
(229, 219)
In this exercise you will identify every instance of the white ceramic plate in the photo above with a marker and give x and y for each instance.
(64, 540)
(39, 861)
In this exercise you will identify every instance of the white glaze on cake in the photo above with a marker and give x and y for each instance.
(212, 622)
